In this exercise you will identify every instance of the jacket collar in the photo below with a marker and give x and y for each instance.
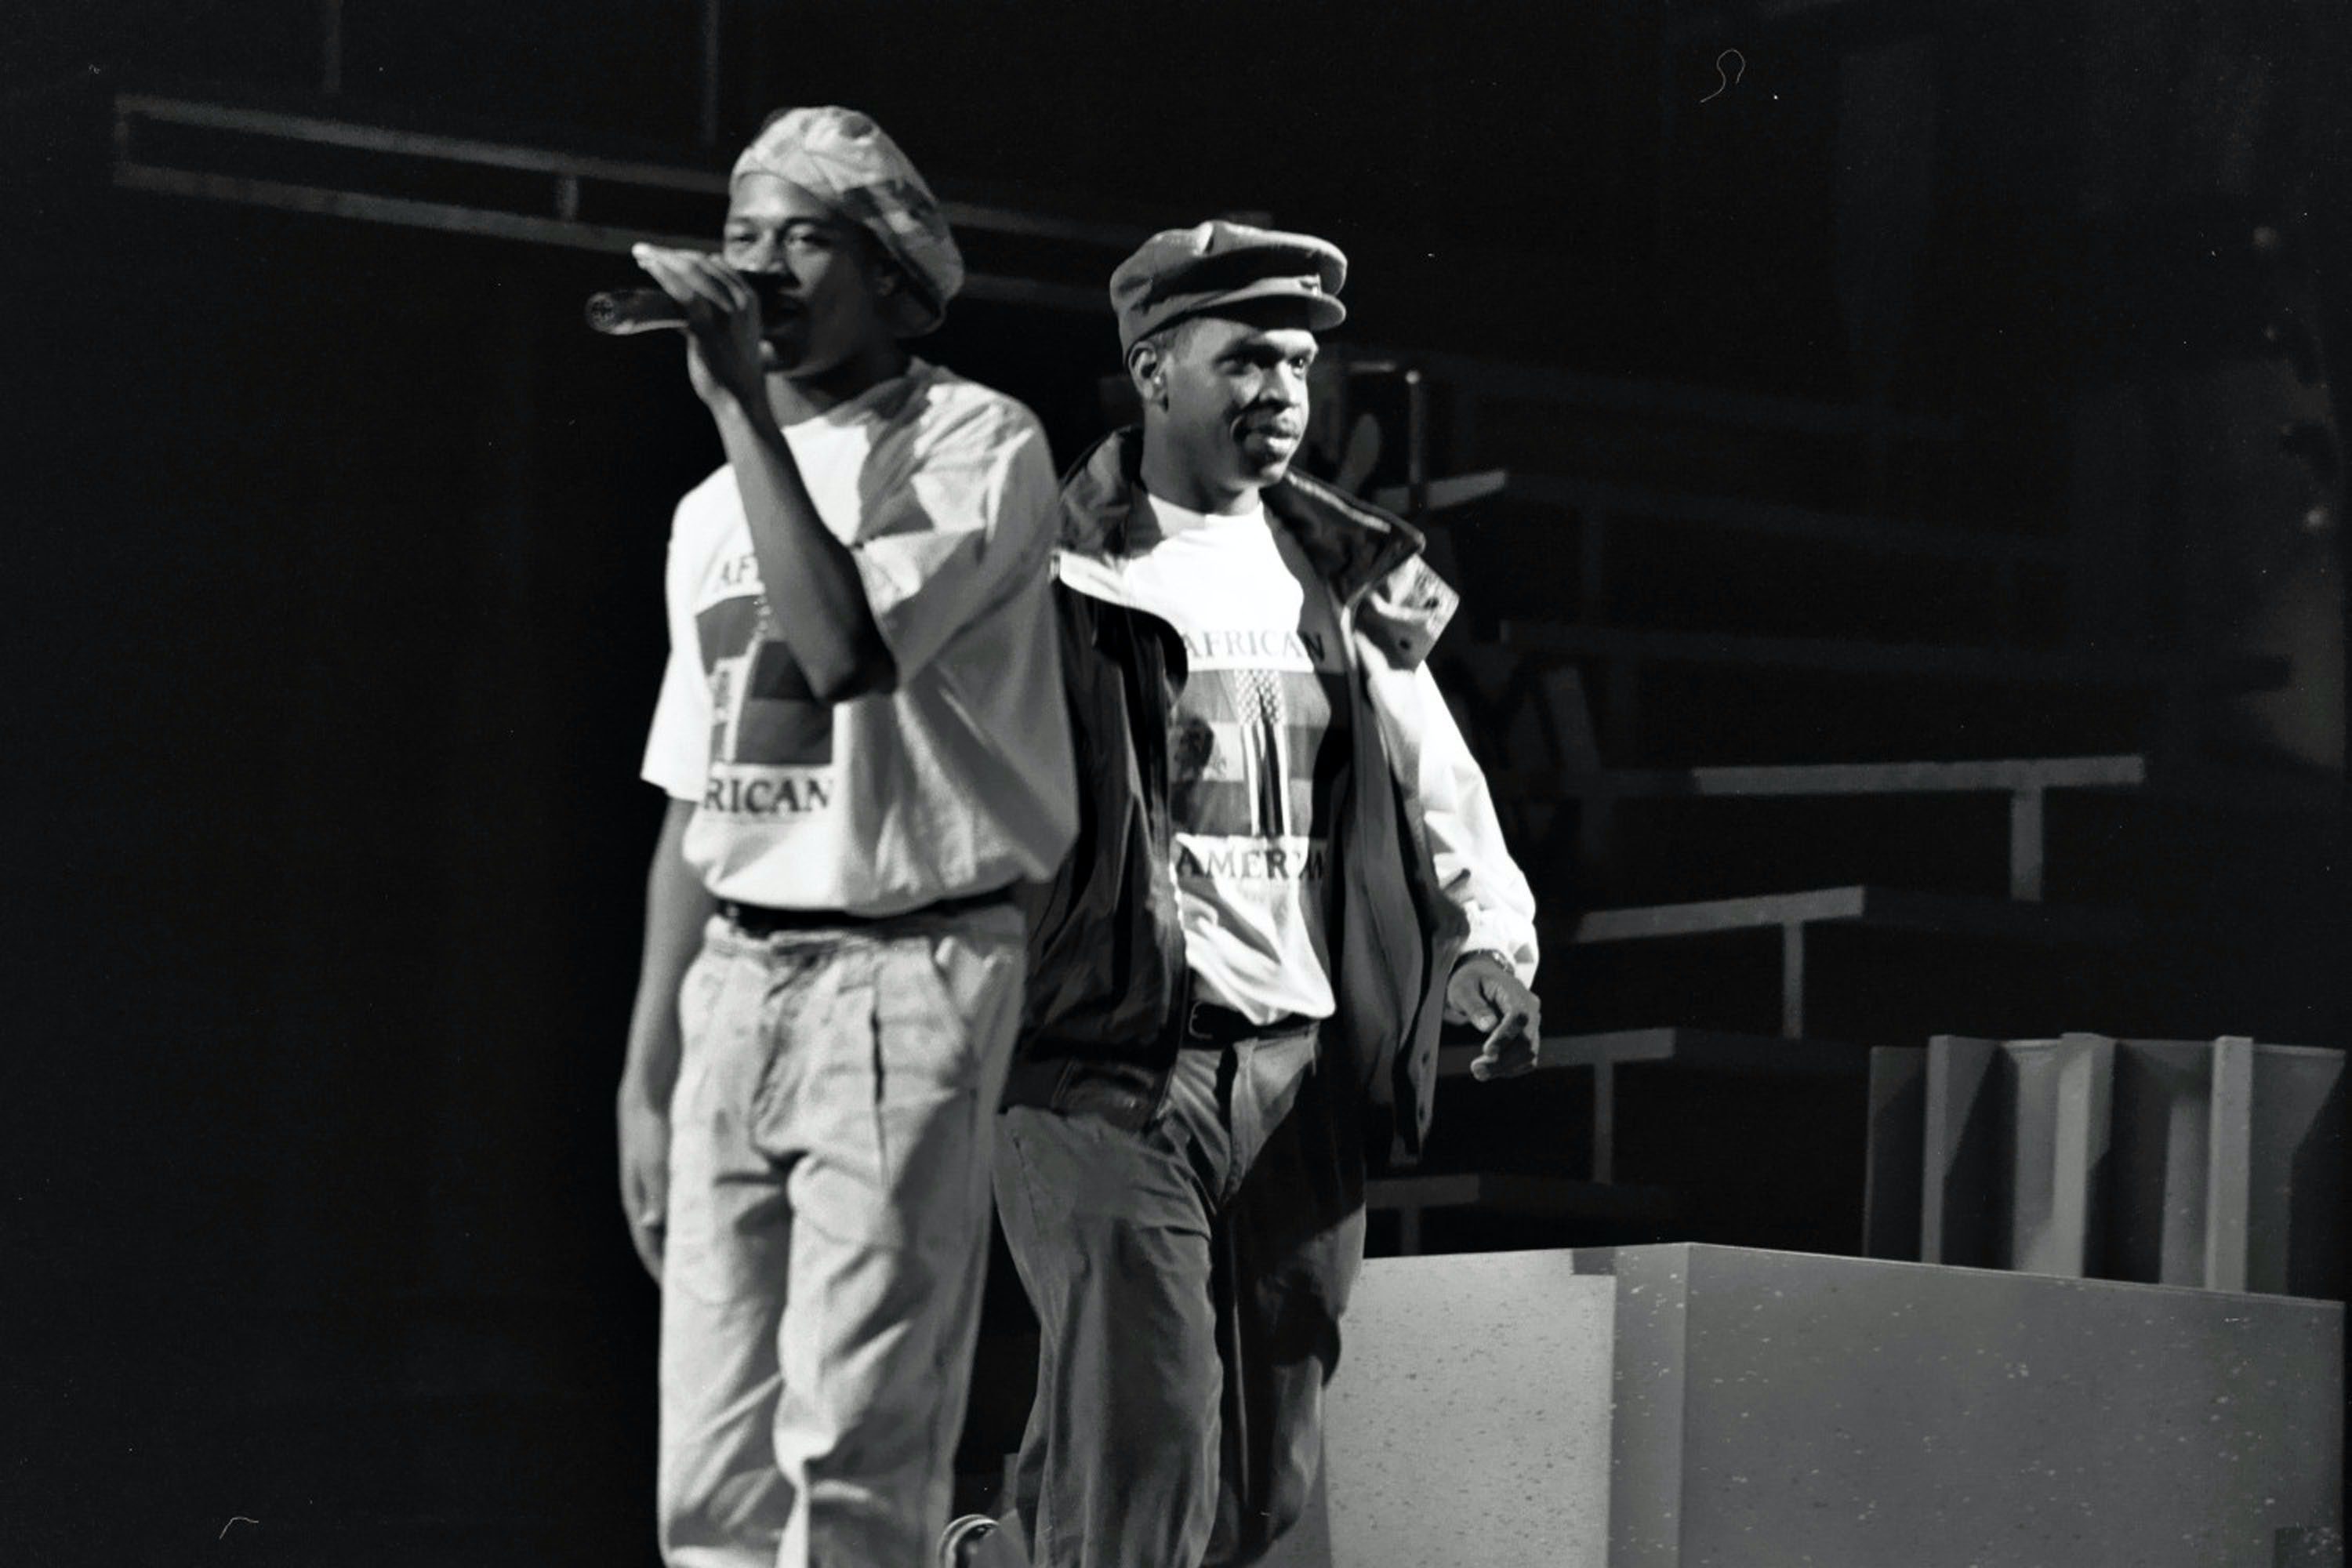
(1352, 544)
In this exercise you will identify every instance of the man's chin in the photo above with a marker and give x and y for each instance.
(788, 349)
(1263, 459)
(1266, 471)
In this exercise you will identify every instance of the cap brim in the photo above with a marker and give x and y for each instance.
(1317, 312)
(1323, 312)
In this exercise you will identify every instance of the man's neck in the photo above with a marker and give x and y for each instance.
(797, 398)
(1166, 475)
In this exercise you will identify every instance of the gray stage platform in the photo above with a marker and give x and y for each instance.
(1782, 1408)
(1470, 1409)
(1768, 1408)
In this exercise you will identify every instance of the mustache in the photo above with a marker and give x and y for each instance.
(1278, 418)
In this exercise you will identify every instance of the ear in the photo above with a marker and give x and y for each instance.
(883, 274)
(1148, 370)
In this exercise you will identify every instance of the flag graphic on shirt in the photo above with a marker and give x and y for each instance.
(1259, 749)
(770, 740)
(1256, 755)
(761, 711)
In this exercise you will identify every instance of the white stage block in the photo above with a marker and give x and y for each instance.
(1468, 1422)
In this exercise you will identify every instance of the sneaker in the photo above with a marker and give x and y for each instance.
(962, 1535)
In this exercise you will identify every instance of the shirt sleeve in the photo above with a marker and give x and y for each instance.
(678, 747)
(973, 517)
(1454, 816)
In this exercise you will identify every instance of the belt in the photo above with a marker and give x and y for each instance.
(1122, 1090)
(758, 920)
(1123, 1093)
(1207, 1023)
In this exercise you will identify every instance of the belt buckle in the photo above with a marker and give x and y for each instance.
(1193, 1028)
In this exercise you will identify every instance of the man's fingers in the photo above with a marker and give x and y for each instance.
(719, 282)
(644, 1212)
(644, 1205)
(725, 284)
(1506, 1012)
(1517, 1023)
(1510, 1049)
(658, 265)
(1508, 1054)
(647, 1240)
(683, 279)
(1508, 1062)
(739, 289)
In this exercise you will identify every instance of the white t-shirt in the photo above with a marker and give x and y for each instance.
(960, 780)
(1258, 744)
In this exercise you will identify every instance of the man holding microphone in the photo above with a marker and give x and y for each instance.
(863, 734)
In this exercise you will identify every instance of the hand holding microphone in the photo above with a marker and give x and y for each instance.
(624, 312)
(719, 308)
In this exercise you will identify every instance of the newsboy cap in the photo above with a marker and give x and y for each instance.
(1183, 272)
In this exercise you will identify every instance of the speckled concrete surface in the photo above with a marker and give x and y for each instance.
(1777, 1408)
(1468, 1424)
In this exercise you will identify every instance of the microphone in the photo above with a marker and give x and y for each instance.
(620, 312)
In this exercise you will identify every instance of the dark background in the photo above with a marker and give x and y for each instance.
(332, 595)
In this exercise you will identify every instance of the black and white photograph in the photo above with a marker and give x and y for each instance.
(1317, 783)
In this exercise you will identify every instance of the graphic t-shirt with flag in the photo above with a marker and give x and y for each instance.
(956, 781)
(1258, 745)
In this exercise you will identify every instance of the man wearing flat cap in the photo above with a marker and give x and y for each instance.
(863, 735)
(1289, 871)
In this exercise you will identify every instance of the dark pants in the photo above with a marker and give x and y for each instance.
(1188, 1281)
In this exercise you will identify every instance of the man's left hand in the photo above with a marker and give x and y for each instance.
(1485, 994)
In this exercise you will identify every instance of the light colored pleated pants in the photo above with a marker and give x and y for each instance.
(827, 1234)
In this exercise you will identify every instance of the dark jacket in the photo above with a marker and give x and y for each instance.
(1106, 949)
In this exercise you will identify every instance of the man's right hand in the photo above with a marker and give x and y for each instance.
(645, 1173)
(676, 906)
(723, 357)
